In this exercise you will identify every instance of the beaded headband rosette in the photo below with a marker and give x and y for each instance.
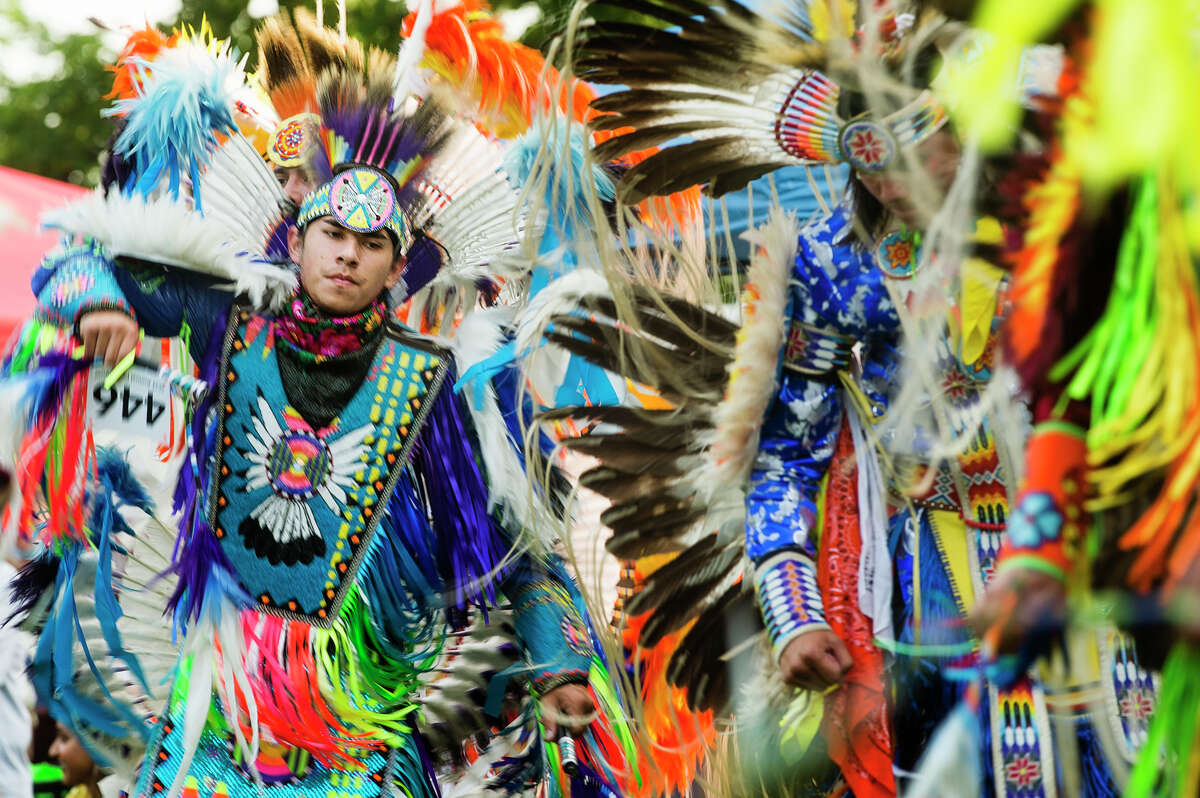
(293, 138)
(362, 199)
(810, 129)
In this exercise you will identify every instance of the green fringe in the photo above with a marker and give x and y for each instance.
(1174, 733)
(1107, 362)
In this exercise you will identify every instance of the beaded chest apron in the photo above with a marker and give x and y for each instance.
(294, 507)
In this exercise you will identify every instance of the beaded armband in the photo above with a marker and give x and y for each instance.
(790, 598)
(76, 281)
(556, 640)
(1046, 531)
(815, 352)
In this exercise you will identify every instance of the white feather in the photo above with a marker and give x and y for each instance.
(233, 643)
(172, 233)
(471, 207)
(478, 337)
(200, 646)
(240, 192)
(412, 50)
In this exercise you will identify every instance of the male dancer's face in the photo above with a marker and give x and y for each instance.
(294, 182)
(344, 271)
(938, 157)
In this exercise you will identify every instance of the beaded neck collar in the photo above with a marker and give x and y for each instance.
(316, 337)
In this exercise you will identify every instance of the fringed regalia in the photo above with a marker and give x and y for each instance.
(1104, 339)
(357, 591)
(775, 443)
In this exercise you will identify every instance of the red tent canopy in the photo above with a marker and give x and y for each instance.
(23, 198)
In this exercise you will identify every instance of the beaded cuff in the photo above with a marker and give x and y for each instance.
(790, 598)
(71, 283)
(545, 682)
(556, 641)
(1049, 524)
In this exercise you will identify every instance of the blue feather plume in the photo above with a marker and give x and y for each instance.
(171, 130)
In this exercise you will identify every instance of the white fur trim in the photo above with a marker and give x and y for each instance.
(561, 296)
(737, 420)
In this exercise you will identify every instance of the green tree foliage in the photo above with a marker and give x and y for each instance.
(374, 22)
(52, 126)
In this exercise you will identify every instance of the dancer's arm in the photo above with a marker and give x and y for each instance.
(555, 639)
(795, 450)
(555, 642)
(834, 304)
(106, 302)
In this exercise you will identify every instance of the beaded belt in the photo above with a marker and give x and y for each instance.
(814, 351)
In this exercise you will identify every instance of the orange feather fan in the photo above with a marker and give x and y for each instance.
(465, 45)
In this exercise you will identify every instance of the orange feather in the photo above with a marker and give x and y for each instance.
(145, 45)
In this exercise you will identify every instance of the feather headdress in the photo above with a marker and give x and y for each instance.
(465, 45)
(453, 202)
(749, 95)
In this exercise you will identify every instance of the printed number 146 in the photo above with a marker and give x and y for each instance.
(130, 403)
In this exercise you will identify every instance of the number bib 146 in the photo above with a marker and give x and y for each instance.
(136, 407)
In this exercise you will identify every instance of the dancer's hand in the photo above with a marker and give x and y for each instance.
(569, 706)
(108, 334)
(1018, 601)
(815, 660)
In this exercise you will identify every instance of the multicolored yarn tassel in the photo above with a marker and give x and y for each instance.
(57, 455)
(324, 690)
(609, 742)
(85, 593)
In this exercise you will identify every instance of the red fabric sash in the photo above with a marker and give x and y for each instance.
(855, 724)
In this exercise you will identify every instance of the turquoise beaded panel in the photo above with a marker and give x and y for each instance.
(294, 507)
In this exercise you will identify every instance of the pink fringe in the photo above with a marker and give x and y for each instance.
(283, 677)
